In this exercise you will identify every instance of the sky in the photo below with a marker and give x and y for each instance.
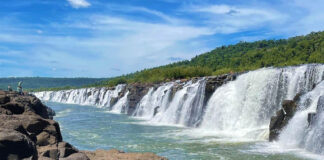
(106, 38)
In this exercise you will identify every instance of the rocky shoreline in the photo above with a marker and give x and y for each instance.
(28, 131)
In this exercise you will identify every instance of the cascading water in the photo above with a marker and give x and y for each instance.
(154, 101)
(121, 105)
(186, 107)
(243, 108)
(299, 133)
(86, 96)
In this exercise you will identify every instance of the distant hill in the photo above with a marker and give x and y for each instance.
(242, 56)
(43, 82)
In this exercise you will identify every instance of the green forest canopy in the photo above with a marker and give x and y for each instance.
(242, 56)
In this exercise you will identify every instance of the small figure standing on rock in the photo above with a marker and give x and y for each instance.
(9, 88)
(19, 88)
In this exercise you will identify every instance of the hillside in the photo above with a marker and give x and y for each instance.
(42, 82)
(242, 56)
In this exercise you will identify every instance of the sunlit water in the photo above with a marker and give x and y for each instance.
(90, 128)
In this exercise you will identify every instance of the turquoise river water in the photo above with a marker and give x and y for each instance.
(91, 128)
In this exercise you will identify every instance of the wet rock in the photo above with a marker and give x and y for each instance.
(282, 117)
(213, 82)
(312, 117)
(136, 93)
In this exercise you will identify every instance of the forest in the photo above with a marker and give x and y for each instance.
(243, 56)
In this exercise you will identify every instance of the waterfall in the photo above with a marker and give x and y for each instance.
(298, 133)
(243, 108)
(100, 97)
(154, 101)
(186, 107)
(121, 105)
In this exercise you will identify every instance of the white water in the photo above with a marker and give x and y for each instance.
(239, 109)
(155, 99)
(186, 107)
(298, 133)
(100, 97)
(243, 108)
(121, 105)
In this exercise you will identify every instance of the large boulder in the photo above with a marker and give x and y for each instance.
(27, 130)
(15, 145)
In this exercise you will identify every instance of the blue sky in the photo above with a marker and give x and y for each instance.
(104, 38)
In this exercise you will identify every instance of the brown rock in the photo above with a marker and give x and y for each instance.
(4, 99)
(116, 154)
(15, 145)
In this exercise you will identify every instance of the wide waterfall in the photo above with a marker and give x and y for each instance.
(86, 96)
(241, 108)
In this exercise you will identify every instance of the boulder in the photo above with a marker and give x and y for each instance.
(15, 145)
(4, 99)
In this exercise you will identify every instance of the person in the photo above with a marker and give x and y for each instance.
(9, 88)
(19, 87)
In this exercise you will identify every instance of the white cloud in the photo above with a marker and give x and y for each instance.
(79, 3)
(230, 19)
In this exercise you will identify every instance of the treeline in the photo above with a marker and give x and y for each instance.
(242, 56)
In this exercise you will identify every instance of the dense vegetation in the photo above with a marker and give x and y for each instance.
(42, 82)
(242, 56)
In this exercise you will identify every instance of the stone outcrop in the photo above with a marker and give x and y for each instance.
(282, 117)
(214, 82)
(116, 154)
(136, 92)
(27, 131)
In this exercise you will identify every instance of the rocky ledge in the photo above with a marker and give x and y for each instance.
(27, 131)
(282, 117)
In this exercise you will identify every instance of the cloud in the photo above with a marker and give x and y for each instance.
(229, 19)
(79, 3)
(175, 59)
(121, 38)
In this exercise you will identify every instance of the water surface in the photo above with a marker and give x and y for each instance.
(90, 128)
